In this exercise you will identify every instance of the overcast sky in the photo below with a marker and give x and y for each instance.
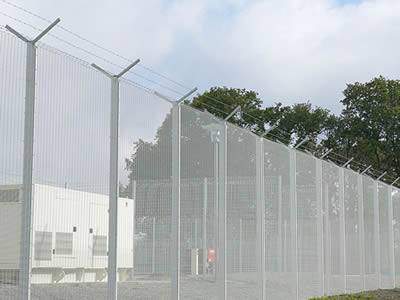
(287, 50)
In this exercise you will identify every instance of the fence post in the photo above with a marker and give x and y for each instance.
(280, 224)
(260, 217)
(240, 244)
(24, 284)
(221, 266)
(361, 230)
(342, 227)
(320, 227)
(153, 247)
(293, 216)
(176, 199)
(112, 268)
(391, 234)
(377, 234)
(328, 244)
(134, 226)
(205, 196)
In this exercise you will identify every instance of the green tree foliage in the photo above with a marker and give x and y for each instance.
(368, 128)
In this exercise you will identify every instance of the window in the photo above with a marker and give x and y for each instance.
(99, 245)
(64, 243)
(9, 195)
(43, 245)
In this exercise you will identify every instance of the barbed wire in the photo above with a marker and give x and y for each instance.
(287, 136)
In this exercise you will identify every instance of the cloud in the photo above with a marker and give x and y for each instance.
(288, 50)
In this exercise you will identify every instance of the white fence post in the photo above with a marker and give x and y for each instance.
(328, 244)
(221, 266)
(205, 198)
(134, 226)
(260, 217)
(153, 246)
(391, 235)
(24, 284)
(342, 228)
(280, 224)
(320, 227)
(377, 234)
(361, 229)
(293, 217)
(176, 199)
(112, 268)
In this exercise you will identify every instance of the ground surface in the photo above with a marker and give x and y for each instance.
(374, 295)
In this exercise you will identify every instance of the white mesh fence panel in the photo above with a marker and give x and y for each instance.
(309, 266)
(386, 251)
(206, 210)
(333, 243)
(370, 234)
(12, 95)
(354, 279)
(241, 213)
(279, 233)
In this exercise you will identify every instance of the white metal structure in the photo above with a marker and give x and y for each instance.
(69, 230)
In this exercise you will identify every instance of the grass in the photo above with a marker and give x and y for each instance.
(372, 295)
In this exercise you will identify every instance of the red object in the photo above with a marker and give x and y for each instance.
(211, 255)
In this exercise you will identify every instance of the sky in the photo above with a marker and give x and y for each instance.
(287, 50)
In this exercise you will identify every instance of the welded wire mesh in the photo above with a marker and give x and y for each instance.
(205, 210)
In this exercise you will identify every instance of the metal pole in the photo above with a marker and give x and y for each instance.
(328, 248)
(260, 217)
(25, 263)
(280, 211)
(361, 230)
(176, 199)
(205, 196)
(114, 192)
(376, 233)
(240, 244)
(221, 267)
(391, 235)
(342, 227)
(134, 226)
(320, 227)
(112, 268)
(153, 247)
(293, 217)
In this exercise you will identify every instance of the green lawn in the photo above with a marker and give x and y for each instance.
(373, 295)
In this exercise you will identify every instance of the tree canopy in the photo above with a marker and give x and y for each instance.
(368, 128)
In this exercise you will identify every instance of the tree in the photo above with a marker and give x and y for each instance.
(369, 127)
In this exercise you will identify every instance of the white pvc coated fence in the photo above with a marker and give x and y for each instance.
(109, 191)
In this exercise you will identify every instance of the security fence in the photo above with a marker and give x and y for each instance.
(109, 191)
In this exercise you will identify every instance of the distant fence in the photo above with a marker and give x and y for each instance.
(206, 210)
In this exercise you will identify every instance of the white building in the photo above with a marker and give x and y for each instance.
(69, 234)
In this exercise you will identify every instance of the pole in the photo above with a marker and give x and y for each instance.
(260, 217)
(328, 247)
(391, 235)
(320, 226)
(240, 244)
(342, 228)
(176, 199)
(205, 196)
(361, 230)
(377, 234)
(222, 214)
(134, 225)
(25, 264)
(280, 208)
(153, 247)
(293, 217)
(114, 192)
(113, 182)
